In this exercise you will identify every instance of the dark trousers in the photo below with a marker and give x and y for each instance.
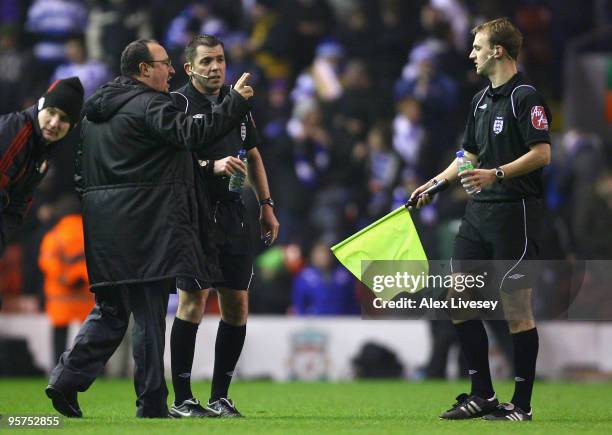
(102, 333)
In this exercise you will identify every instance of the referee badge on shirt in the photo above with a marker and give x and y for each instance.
(498, 124)
(538, 118)
(242, 131)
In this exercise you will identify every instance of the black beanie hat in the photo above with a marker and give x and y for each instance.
(67, 95)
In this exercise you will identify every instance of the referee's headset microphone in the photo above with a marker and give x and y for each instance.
(191, 71)
(489, 57)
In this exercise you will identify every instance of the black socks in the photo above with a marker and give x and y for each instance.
(526, 346)
(475, 347)
(182, 348)
(228, 347)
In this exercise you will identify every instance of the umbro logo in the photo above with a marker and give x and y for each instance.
(483, 107)
(472, 372)
(516, 276)
(519, 379)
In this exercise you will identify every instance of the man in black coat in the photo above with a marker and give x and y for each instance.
(26, 141)
(135, 174)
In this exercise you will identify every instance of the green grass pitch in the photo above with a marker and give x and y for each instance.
(377, 407)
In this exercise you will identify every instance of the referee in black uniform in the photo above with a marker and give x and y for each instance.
(229, 232)
(507, 139)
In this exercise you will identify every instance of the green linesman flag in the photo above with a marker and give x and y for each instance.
(391, 238)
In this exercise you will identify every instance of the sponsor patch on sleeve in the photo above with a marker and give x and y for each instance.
(538, 118)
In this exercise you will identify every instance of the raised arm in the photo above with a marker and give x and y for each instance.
(194, 133)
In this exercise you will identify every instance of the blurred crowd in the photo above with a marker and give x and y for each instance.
(357, 102)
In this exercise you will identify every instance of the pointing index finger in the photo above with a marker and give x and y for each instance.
(242, 81)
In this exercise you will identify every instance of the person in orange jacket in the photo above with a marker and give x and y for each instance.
(62, 261)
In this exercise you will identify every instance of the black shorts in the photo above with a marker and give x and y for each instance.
(191, 284)
(231, 236)
(500, 238)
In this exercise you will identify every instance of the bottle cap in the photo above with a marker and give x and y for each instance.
(459, 153)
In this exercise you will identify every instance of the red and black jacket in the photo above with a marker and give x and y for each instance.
(22, 154)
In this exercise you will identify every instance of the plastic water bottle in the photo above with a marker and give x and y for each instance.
(465, 164)
(237, 179)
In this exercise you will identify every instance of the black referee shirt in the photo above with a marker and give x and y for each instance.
(503, 122)
(189, 99)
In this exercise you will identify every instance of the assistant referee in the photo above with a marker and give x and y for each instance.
(507, 139)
